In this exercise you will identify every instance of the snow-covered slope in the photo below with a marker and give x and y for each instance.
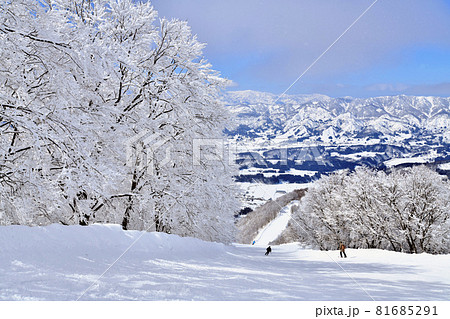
(60, 262)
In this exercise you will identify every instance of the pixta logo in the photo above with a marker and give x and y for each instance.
(141, 150)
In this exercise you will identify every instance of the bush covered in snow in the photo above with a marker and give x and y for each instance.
(406, 210)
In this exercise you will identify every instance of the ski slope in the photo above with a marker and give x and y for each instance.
(272, 230)
(67, 262)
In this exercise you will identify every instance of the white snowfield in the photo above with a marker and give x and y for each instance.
(60, 262)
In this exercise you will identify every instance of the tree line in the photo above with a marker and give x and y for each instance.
(406, 211)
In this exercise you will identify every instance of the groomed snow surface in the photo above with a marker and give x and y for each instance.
(60, 262)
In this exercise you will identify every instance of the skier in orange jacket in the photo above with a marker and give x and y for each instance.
(342, 250)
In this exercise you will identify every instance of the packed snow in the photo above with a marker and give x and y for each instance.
(67, 262)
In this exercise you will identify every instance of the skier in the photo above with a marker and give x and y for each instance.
(254, 242)
(342, 250)
(268, 251)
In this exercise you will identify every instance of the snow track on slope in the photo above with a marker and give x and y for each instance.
(274, 229)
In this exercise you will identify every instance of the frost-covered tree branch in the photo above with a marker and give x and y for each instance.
(407, 210)
(79, 81)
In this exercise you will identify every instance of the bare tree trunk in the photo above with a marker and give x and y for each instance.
(127, 214)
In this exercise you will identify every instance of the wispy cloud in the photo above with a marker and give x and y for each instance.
(389, 88)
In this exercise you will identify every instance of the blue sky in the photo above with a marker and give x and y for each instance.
(397, 47)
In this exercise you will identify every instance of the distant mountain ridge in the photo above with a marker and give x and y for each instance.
(348, 115)
(374, 130)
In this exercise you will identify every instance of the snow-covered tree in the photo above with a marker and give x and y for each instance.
(45, 106)
(407, 210)
(364, 197)
(423, 215)
(89, 86)
(320, 219)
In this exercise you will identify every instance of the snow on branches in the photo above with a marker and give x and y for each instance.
(407, 210)
(79, 81)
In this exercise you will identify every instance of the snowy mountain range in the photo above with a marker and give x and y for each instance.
(297, 137)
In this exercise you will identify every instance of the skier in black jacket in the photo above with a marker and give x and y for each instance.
(268, 251)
